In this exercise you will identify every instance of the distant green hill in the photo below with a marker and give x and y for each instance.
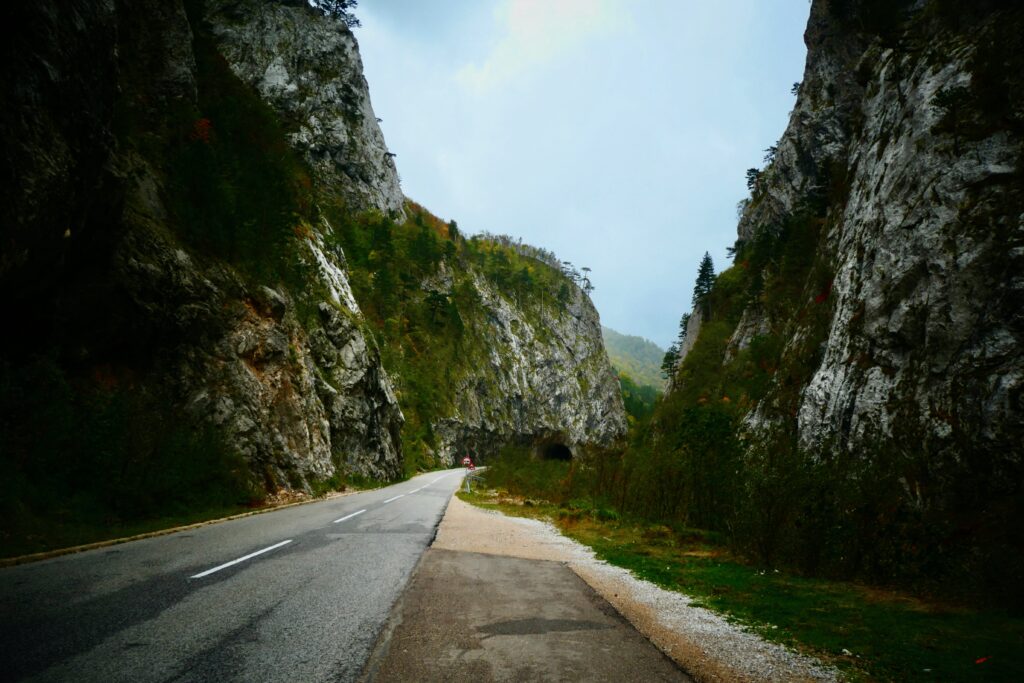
(638, 357)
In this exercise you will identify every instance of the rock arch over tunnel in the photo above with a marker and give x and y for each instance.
(555, 451)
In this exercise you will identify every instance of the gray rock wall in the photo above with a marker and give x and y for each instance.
(546, 381)
(925, 350)
(93, 263)
(307, 67)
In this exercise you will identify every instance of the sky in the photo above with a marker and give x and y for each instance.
(615, 133)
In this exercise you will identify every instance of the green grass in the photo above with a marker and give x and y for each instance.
(51, 534)
(891, 637)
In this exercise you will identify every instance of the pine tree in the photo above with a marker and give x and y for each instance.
(705, 281)
(341, 9)
(683, 323)
(668, 363)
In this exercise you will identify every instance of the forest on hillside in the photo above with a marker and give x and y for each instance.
(639, 358)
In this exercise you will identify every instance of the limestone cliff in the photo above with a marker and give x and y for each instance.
(924, 234)
(176, 178)
(308, 68)
(546, 381)
(872, 323)
(117, 127)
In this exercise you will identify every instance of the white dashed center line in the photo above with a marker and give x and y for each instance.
(401, 495)
(349, 516)
(241, 559)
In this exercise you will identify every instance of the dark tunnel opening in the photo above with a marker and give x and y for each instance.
(556, 451)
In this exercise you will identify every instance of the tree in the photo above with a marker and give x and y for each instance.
(683, 324)
(340, 9)
(563, 293)
(705, 281)
(587, 286)
(668, 363)
(753, 175)
(437, 304)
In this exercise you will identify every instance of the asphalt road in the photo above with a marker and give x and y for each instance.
(307, 608)
(474, 618)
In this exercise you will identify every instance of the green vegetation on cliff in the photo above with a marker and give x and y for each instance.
(638, 400)
(417, 283)
(91, 447)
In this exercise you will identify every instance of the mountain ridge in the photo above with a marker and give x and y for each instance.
(638, 357)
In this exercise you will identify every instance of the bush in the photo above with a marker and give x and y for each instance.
(87, 455)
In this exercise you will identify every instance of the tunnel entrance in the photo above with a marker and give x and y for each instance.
(555, 451)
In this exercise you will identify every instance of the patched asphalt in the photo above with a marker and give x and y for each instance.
(476, 617)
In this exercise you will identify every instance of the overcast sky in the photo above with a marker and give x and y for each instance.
(614, 132)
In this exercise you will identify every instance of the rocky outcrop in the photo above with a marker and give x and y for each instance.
(302, 396)
(546, 382)
(875, 368)
(308, 68)
(925, 345)
(106, 100)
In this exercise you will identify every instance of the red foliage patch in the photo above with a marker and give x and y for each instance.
(202, 130)
(824, 294)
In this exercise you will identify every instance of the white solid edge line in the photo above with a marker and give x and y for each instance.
(349, 516)
(241, 559)
(400, 495)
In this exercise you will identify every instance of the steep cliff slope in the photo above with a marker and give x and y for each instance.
(308, 69)
(869, 337)
(163, 245)
(489, 341)
(177, 178)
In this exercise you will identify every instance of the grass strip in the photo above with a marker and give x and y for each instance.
(868, 633)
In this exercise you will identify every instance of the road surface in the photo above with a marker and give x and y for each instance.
(298, 594)
(475, 618)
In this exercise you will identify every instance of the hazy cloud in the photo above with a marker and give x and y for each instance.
(534, 32)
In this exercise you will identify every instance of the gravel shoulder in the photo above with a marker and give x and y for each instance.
(700, 641)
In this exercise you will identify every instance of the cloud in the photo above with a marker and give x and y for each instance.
(537, 32)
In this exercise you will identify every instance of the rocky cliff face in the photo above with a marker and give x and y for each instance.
(283, 372)
(869, 340)
(308, 68)
(169, 172)
(546, 382)
(925, 234)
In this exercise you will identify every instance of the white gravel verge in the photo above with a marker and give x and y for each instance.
(702, 642)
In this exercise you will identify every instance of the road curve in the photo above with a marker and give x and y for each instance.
(298, 594)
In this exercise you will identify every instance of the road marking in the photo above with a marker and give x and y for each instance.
(439, 479)
(241, 559)
(417, 490)
(400, 495)
(349, 516)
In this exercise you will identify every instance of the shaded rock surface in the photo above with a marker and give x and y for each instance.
(924, 219)
(98, 262)
(308, 68)
(545, 382)
(299, 398)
